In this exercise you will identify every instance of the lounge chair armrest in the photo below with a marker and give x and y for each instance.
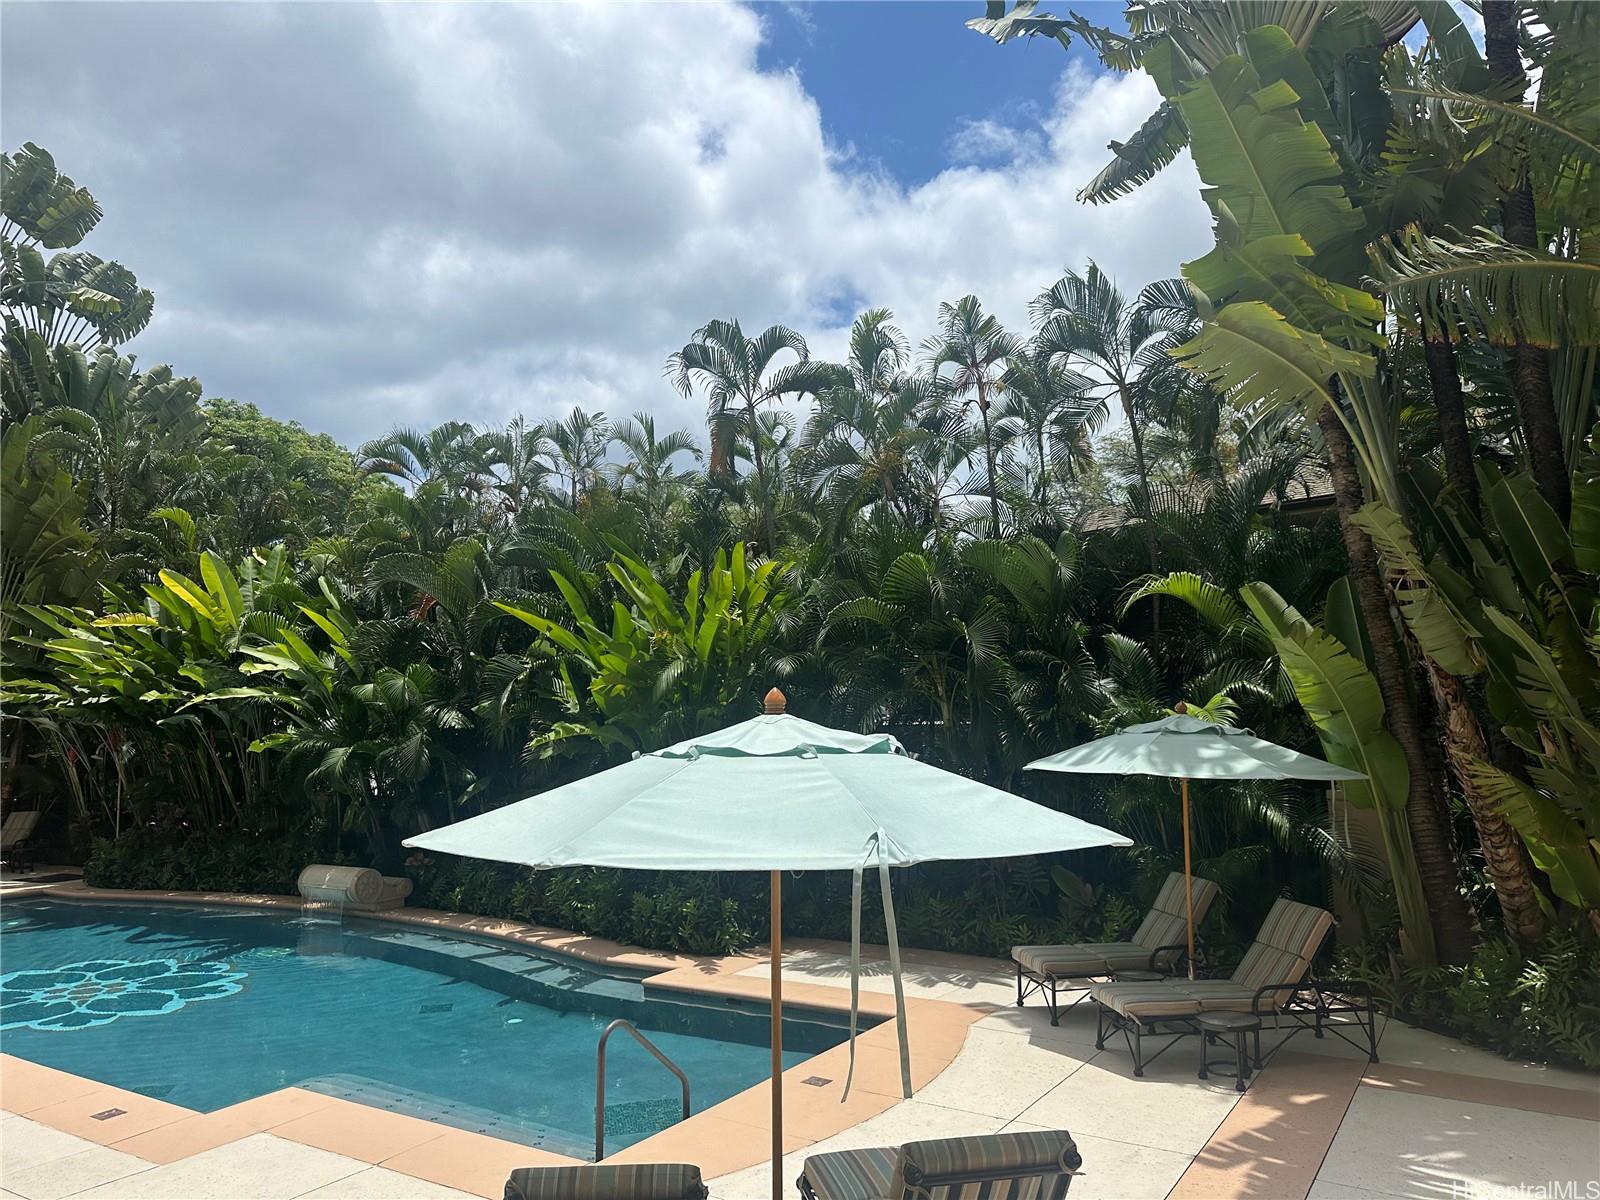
(1345, 987)
(1263, 993)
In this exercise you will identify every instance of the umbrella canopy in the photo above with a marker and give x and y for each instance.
(774, 793)
(1184, 748)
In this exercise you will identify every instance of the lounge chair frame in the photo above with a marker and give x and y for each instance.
(1311, 1002)
(1167, 960)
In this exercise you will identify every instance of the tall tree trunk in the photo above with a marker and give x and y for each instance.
(1530, 377)
(1451, 412)
(988, 455)
(1505, 857)
(767, 522)
(1144, 486)
(1426, 812)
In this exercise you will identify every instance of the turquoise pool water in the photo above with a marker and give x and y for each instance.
(207, 1007)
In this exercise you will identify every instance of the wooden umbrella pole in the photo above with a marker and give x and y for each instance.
(777, 1035)
(1188, 877)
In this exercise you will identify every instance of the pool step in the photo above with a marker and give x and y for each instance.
(458, 1115)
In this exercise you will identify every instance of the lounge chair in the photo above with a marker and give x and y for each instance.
(642, 1181)
(997, 1166)
(15, 832)
(1273, 982)
(1159, 944)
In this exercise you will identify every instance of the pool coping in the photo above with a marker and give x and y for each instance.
(726, 1137)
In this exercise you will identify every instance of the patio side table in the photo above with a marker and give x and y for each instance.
(1220, 1026)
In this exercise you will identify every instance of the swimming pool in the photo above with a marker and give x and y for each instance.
(207, 1007)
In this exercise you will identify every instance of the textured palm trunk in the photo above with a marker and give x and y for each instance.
(1505, 857)
(1451, 411)
(1144, 485)
(988, 455)
(1426, 814)
(1530, 376)
(767, 522)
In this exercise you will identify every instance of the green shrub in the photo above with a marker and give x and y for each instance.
(937, 907)
(1543, 1004)
(201, 860)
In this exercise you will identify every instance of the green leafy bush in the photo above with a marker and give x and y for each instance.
(201, 860)
(937, 907)
(1543, 1004)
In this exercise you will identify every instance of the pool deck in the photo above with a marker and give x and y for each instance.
(1435, 1119)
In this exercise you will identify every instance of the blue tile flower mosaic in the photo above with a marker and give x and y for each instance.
(100, 991)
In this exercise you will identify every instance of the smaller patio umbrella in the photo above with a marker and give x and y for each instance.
(1183, 747)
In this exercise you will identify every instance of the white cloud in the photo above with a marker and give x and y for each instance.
(360, 215)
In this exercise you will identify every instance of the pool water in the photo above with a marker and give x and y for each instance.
(207, 1007)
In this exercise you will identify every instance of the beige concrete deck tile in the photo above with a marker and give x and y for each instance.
(1118, 1170)
(824, 969)
(878, 1067)
(471, 1162)
(1169, 1109)
(357, 1131)
(1273, 1142)
(1000, 1074)
(1424, 1146)
(260, 1167)
(1402, 1045)
(809, 1112)
(25, 1144)
(75, 1173)
(377, 1183)
(1077, 1025)
(1530, 1097)
(139, 1114)
(716, 1146)
(199, 1133)
(1343, 1191)
(25, 1086)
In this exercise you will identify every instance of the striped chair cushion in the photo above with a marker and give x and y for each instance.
(1282, 952)
(1082, 961)
(1146, 1001)
(1172, 997)
(644, 1181)
(1166, 923)
(1046, 1155)
(853, 1174)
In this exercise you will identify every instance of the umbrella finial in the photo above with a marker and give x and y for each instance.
(775, 702)
(1180, 708)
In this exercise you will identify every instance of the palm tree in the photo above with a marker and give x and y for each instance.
(863, 442)
(118, 431)
(1125, 348)
(735, 372)
(975, 346)
(454, 452)
(576, 448)
(522, 452)
(1049, 406)
(650, 459)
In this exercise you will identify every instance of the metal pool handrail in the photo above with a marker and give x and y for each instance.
(600, 1078)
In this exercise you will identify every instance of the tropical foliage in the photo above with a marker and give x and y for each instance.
(1340, 482)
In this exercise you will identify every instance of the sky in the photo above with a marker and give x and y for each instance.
(360, 216)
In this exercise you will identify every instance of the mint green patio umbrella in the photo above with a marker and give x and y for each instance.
(775, 793)
(1184, 748)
